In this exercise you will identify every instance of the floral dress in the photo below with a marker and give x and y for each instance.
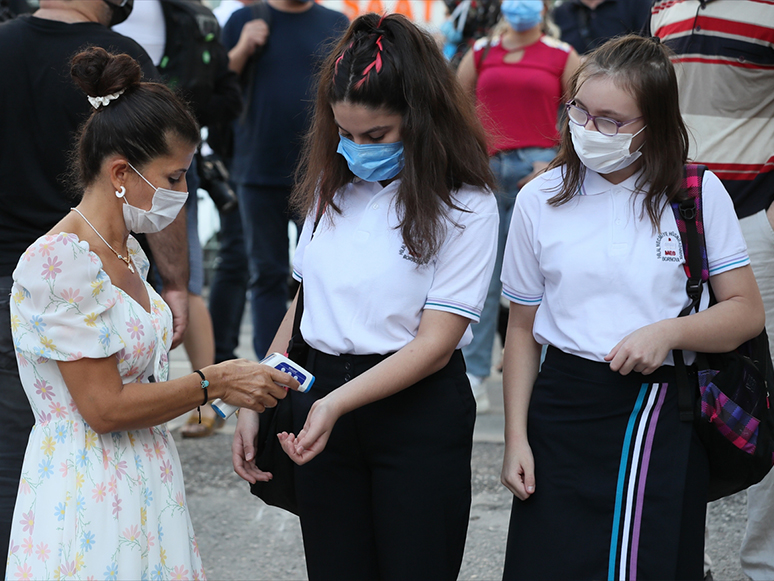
(93, 506)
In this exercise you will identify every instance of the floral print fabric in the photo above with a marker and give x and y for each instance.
(91, 506)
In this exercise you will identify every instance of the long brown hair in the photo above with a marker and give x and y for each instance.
(640, 66)
(444, 144)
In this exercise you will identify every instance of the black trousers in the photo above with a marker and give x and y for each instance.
(389, 497)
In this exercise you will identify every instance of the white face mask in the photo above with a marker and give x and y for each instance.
(165, 207)
(604, 153)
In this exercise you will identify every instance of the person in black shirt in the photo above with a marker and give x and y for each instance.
(12, 8)
(586, 24)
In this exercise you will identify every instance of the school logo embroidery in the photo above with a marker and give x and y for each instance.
(406, 255)
(669, 248)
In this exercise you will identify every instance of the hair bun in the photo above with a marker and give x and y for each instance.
(99, 73)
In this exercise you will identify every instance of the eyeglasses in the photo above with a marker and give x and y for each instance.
(604, 125)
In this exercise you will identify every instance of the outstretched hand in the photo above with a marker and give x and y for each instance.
(311, 440)
(243, 449)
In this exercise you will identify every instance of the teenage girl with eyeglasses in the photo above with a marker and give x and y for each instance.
(609, 483)
(392, 278)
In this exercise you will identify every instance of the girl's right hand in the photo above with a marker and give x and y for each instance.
(518, 474)
(243, 448)
(247, 384)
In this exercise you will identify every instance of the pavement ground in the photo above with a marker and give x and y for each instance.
(241, 538)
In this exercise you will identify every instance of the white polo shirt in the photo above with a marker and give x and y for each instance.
(595, 266)
(364, 293)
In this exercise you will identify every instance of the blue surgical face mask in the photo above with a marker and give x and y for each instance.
(453, 38)
(372, 162)
(450, 32)
(522, 14)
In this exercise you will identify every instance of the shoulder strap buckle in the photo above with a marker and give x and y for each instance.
(688, 209)
(693, 288)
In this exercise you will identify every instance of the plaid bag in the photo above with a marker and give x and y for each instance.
(732, 413)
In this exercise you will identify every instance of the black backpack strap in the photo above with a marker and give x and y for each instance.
(688, 215)
(259, 10)
(295, 333)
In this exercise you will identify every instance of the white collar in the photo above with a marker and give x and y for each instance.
(595, 184)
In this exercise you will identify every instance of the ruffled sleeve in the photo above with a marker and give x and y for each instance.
(62, 302)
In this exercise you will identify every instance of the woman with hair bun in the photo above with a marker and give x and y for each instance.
(393, 274)
(101, 492)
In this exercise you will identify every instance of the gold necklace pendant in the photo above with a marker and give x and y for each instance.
(127, 260)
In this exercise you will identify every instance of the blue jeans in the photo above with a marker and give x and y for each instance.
(228, 290)
(265, 218)
(508, 167)
(16, 420)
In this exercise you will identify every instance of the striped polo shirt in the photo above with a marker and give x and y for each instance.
(725, 69)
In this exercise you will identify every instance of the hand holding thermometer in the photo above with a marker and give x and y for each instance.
(277, 361)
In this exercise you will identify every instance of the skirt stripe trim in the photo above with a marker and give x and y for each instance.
(635, 459)
(643, 479)
(630, 488)
(621, 476)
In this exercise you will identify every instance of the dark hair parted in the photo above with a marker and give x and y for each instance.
(386, 62)
(641, 67)
(137, 125)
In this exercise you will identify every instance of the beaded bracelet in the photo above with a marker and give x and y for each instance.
(205, 384)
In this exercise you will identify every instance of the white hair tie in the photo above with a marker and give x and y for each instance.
(104, 101)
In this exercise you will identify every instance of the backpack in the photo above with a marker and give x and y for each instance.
(732, 413)
(188, 64)
(221, 134)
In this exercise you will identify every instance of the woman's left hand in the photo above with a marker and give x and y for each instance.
(311, 440)
(643, 351)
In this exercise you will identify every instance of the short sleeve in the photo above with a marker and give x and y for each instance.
(62, 302)
(465, 262)
(523, 281)
(303, 242)
(726, 248)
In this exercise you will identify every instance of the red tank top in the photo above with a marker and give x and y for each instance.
(518, 103)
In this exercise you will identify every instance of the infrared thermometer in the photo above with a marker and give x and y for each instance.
(277, 361)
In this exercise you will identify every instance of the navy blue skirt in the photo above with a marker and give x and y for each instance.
(620, 481)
